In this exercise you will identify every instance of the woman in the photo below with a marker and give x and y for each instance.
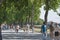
(51, 30)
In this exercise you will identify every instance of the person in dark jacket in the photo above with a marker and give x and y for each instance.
(0, 34)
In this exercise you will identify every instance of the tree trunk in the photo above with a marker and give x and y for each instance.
(32, 16)
(46, 13)
(0, 33)
(32, 25)
(21, 23)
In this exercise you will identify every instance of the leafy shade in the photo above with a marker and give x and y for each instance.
(52, 4)
(18, 10)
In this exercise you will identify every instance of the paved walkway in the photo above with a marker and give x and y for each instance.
(22, 36)
(12, 35)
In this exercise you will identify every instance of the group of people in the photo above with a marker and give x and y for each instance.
(25, 28)
(16, 28)
(54, 31)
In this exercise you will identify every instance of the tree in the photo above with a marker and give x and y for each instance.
(34, 12)
(39, 22)
(59, 14)
(50, 4)
(18, 10)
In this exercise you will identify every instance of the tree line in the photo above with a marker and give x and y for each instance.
(25, 11)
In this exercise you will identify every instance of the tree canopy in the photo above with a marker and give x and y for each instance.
(18, 10)
(50, 4)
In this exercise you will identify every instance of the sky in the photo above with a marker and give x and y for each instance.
(52, 16)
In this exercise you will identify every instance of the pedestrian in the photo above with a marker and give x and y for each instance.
(51, 30)
(44, 31)
(17, 28)
(28, 26)
(0, 33)
(56, 32)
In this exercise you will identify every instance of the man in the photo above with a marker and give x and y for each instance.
(44, 30)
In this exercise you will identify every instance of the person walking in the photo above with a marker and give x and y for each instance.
(28, 26)
(17, 28)
(44, 31)
(51, 30)
(56, 32)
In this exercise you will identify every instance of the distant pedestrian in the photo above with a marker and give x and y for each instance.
(28, 26)
(17, 28)
(44, 31)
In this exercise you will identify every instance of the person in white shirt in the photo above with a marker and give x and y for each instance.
(28, 26)
(17, 28)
